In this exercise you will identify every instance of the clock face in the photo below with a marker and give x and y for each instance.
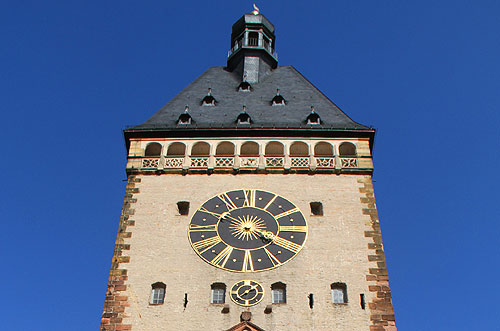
(247, 293)
(247, 230)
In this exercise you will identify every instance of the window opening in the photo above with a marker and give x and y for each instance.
(185, 118)
(153, 149)
(218, 293)
(157, 293)
(313, 118)
(299, 148)
(244, 86)
(249, 148)
(209, 99)
(323, 149)
(200, 149)
(362, 300)
(176, 149)
(185, 300)
(253, 39)
(347, 149)
(278, 99)
(339, 293)
(183, 207)
(316, 208)
(311, 300)
(243, 117)
(278, 293)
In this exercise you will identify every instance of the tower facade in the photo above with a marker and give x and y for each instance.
(249, 206)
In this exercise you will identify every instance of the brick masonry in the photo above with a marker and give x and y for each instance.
(381, 309)
(116, 300)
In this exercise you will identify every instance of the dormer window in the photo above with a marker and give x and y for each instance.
(244, 118)
(209, 100)
(278, 99)
(184, 118)
(244, 86)
(313, 118)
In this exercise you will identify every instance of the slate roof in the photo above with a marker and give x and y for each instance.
(298, 92)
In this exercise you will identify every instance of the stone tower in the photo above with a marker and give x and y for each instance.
(249, 206)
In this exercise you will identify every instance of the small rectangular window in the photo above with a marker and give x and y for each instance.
(339, 293)
(316, 208)
(157, 295)
(279, 295)
(218, 295)
(183, 207)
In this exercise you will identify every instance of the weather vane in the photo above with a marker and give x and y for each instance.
(256, 10)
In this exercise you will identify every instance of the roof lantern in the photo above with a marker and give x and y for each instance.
(252, 47)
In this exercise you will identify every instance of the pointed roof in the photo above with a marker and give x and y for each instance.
(245, 326)
(299, 93)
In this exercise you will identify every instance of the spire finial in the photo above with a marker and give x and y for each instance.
(312, 109)
(244, 109)
(278, 91)
(186, 109)
(209, 91)
(255, 10)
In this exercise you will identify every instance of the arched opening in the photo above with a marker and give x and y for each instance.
(249, 148)
(274, 148)
(347, 149)
(323, 149)
(153, 149)
(176, 149)
(299, 148)
(200, 149)
(225, 148)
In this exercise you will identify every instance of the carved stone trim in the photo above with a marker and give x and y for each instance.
(116, 299)
(381, 309)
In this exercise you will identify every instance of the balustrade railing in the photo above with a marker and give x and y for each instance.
(150, 163)
(349, 162)
(249, 161)
(325, 162)
(300, 161)
(199, 162)
(275, 161)
(224, 161)
(173, 162)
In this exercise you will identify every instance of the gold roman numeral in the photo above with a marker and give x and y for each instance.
(273, 258)
(294, 228)
(227, 201)
(247, 261)
(223, 256)
(288, 212)
(270, 202)
(286, 244)
(200, 228)
(203, 209)
(249, 198)
(205, 244)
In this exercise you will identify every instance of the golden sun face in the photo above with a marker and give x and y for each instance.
(248, 227)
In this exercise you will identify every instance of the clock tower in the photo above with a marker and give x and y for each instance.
(249, 206)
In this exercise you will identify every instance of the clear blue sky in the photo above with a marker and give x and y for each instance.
(424, 73)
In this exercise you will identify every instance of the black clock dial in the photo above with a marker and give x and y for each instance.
(247, 293)
(247, 230)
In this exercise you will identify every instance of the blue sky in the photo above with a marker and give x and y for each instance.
(424, 73)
